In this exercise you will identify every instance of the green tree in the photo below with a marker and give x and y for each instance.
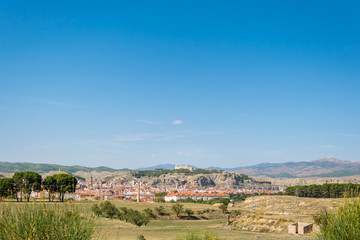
(177, 208)
(27, 182)
(149, 213)
(223, 208)
(108, 209)
(96, 210)
(65, 183)
(160, 210)
(19, 183)
(137, 218)
(6, 187)
(189, 212)
(50, 185)
(225, 201)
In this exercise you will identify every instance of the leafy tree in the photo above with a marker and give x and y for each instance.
(189, 212)
(19, 183)
(50, 185)
(160, 210)
(177, 209)
(32, 183)
(6, 187)
(161, 194)
(159, 199)
(137, 218)
(149, 213)
(65, 183)
(223, 208)
(26, 182)
(123, 214)
(108, 209)
(96, 210)
(225, 201)
(140, 237)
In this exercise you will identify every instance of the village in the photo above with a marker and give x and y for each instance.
(96, 189)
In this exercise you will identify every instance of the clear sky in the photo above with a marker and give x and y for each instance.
(208, 83)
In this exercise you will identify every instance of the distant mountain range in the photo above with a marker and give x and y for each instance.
(7, 167)
(326, 167)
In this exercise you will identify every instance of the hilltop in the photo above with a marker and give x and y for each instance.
(325, 167)
(7, 167)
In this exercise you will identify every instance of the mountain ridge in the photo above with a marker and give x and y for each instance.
(315, 168)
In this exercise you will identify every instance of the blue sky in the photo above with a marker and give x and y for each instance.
(208, 83)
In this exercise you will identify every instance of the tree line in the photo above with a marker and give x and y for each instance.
(22, 184)
(327, 190)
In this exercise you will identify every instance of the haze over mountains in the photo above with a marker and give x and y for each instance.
(325, 167)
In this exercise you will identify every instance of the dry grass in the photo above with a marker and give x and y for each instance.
(265, 218)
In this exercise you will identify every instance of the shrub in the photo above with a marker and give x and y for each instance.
(140, 237)
(160, 210)
(96, 210)
(137, 218)
(237, 212)
(223, 208)
(45, 222)
(189, 212)
(343, 223)
(149, 213)
(159, 200)
(177, 208)
(108, 210)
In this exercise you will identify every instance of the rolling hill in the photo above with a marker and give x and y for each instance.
(7, 167)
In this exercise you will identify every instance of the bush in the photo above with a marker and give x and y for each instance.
(137, 218)
(160, 210)
(105, 209)
(223, 208)
(342, 224)
(149, 213)
(159, 200)
(45, 222)
(189, 212)
(96, 210)
(177, 208)
(237, 212)
(140, 237)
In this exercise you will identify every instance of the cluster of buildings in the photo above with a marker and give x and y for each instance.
(97, 189)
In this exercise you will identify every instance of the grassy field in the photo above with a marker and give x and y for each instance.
(263, 217)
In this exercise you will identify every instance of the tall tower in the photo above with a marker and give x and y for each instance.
(91, 182)
(138, 193)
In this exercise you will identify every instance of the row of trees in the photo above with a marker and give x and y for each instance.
(22, 184)
(333, 190)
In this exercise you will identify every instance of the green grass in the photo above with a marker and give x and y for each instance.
(343, 223)
(42, 221)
